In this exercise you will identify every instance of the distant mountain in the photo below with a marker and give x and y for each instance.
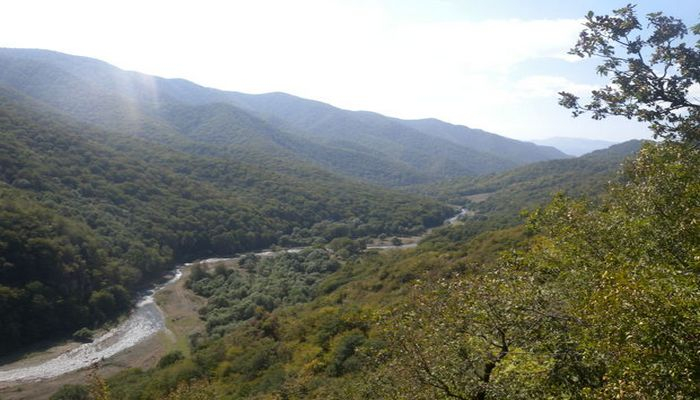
(291, 132)
(574, 146)
(506, 193)
(434, 147)
(486, 142)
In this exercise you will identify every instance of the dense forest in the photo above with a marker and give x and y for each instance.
(284, 132)
(259, 285)
(140, 172)
(571, 278)
(498, 201)
(591, 298)
(90, 215)
(568, 306)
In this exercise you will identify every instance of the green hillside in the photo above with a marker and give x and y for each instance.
(566, 307)
(498, 146)
(308, 252)
(293, 131)
(496, 201)
(423, 146)
(320, 325)
(371, 132)
(90, 215)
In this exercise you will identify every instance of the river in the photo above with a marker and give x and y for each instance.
(144, 321)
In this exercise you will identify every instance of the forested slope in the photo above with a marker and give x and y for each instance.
(89, 215)
(497, 201)
(498, 146)
(274, 126)
(424, 146)
(593, 298)
(567, 307)
(321, 325)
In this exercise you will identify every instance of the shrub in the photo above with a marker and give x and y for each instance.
(170, 358)
(83, 335)
(71, 392)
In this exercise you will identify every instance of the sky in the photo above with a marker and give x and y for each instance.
(494, 65)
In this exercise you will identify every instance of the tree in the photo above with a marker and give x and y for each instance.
(627, 273)
(346, 247)
(604, 302)
(170, 358)
(650, 77)
(484, 334)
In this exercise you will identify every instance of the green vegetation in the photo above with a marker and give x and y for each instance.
(651, 75)
(602, 303)
(259, 285)
(286, 133)
(581, 304)
(170, 358)
(72, 392)
(503, 197)
(87, 216)
(593, 299)
(312, 349)
(83, 335)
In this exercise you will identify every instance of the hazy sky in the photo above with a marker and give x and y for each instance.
(495, 65)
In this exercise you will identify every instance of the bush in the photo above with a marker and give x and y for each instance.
(71, 392)
(343, 356)
(170, 358)
(83, 335)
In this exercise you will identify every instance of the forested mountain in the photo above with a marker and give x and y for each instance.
(89, 215)
(518, 152)
(134, 172)
(466, 152)
(567, 307)
(277, 126)
(574, 146)
(529, 184)
(108, 177)
(497, 200)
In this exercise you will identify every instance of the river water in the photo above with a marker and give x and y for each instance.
(144, 321)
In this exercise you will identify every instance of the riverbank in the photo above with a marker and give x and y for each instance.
(163, 321)
(175, 301)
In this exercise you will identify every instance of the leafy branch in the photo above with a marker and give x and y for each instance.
(651, 76)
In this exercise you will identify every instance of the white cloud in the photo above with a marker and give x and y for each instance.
(549, 86)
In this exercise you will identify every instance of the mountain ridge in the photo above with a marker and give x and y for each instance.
(575, 146)
(363, 145)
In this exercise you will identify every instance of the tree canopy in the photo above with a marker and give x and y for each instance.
(590, 300)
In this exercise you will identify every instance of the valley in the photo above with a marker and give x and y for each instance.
(162, 239)
(146, 320)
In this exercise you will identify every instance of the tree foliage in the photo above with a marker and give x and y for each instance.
(618, 280)
(71, 392)
(602, 305)
(593, 299)
(631, 270)
(259, 285)
(651, 71)
(88, 216)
